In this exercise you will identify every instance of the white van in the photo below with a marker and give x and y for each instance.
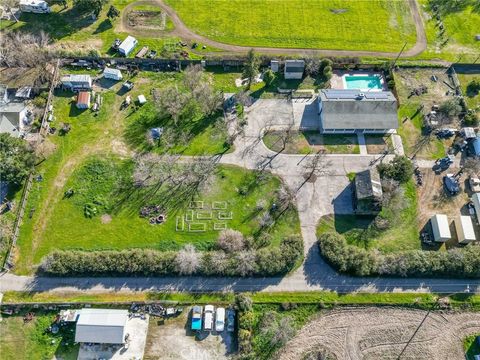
(220, 320)
(208, 317)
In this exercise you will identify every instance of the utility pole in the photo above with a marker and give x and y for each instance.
(399, 54)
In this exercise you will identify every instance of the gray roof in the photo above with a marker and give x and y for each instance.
(103, 326)
(9, 126)
(12, 107)
(76, 78)
(352, 109)
(368, 185)
(294, 66)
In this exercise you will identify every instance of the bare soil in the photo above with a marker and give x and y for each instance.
(378, 144)
(385, 333)
(146, 19)
(172, 339)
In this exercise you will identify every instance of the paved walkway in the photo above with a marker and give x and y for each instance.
(182, 31)
(325, 194)
(362, 144)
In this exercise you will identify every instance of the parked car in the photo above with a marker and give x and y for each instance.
(116, 44)
(445, 133)
(220, 319)
(128, 85)
(451, 184)
(208, 317)
(230, 320)
(474, 183)
(443, 163)
(197, 318)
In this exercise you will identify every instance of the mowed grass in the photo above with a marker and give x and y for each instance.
(401, 235)
(19, 340)
(473, 100)
(380, 25)
(70, 229)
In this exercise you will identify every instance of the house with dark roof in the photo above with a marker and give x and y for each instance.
(350, 111)
(294, 69)
(368, 192)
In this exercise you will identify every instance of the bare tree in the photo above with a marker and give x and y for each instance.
(286, 198)
(245, 262)
(187, 260)
(230, 240)
(171, 100)
(315, 166)
(193, 75)
(207, 98)
(243, 98)
(284, 331)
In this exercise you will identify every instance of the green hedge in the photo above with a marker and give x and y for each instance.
(460, 262)
(138, 262)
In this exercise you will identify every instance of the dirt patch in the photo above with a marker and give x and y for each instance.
(385, 333)
(378, 144)
(156, 20)
(172, 339)
(105, 219)
(46, 148)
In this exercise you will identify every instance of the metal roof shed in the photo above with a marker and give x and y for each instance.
(101, 326)
(114, 74)
(464, 228)
(476, 205)
(440, 228)
(127, 45)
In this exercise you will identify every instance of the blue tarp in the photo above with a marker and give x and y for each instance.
(476, 146)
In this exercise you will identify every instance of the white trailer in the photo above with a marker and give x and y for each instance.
(113, 74)
(35, 6)
(127, 45)
(465, 230)
(440, 228)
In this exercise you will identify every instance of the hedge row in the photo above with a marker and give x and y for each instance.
(460, 262)
(142, 262)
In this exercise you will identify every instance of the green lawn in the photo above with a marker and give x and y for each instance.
(19, 340)
(473, 101)
(306, 142)
(402, 233)
(381, 25)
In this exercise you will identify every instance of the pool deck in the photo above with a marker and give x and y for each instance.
(336, 81)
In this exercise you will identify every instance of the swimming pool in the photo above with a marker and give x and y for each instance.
(363, 82)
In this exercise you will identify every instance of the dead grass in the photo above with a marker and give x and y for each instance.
(385, 333)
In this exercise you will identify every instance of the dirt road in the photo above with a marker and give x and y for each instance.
(182, 31)
(385, 333)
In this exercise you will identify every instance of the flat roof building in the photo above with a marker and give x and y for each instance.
(440, 228)
(101, 326)
(465, 230)
(350, 111)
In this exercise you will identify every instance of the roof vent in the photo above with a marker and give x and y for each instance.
(360, 95)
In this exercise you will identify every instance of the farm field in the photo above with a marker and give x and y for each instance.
(383, 333)
(345, 25)
(95, 160)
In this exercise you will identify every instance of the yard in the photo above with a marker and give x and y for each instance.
(472, 99)
(402, 232)
(306, 142)
(104, 143)
(379, 25)
(412, 108)
(28, 340)
(471, 346)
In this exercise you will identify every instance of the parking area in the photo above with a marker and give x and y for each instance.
(172, 338)
(136, 329)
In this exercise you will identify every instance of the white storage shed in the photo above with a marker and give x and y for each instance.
(440, 228)
(113, 74)
(465, 230)
(101, 326)
(127, 45)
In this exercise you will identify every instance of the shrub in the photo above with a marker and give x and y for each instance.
(243, 302)
(451, 108)
(230, 240)
(471, 119)
(269, 77)
(473, 88)
(399, 169)
(460, 262)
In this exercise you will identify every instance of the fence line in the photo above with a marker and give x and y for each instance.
(8, 264)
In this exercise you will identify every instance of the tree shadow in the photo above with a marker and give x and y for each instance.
(103, 26)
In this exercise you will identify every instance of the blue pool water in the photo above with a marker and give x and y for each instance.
(363, 82)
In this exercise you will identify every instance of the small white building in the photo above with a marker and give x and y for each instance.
(127, 45)
(76, 82)
(113, 74)
(274, 65)
(34, 6)
(465, 230)
(101, 326)
(294, 69)
(476, 205)
(440, 228)
(141, 99)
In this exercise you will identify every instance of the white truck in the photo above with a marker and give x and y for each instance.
(208, 317)
(35, 6)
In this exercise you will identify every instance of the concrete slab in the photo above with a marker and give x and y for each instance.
(137, 330)
(362, 144)
(305, 114)
(397, 145)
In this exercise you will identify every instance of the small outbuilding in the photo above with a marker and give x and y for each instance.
(83, 100)
(76, 82)
(101, 326)
(368, 192)
(465, 230)
(440, 228)
(294, 69)
(274, 65)
(141, 99)
(127, 46)
(113, 74)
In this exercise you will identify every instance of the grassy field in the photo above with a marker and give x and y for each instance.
(348, 25)
(19, 340)
(306, 142)
(401, 235)
(473, 101)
